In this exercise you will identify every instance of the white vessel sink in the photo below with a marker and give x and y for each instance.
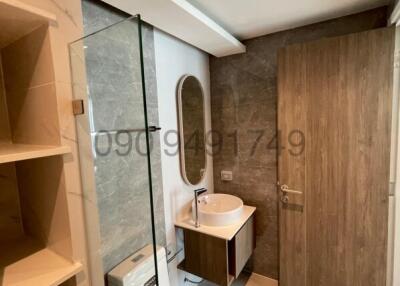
(218, 209)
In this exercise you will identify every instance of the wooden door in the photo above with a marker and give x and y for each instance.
(334, 115)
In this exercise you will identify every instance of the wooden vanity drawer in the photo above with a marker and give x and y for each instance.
(207, 257)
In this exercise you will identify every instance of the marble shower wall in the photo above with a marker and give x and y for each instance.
(114, 83)
(244, 109)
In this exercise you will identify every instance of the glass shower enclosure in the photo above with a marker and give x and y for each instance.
(114, 141)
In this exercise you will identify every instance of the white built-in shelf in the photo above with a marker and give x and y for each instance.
(24, 263)
(18, 152)
(18, 19)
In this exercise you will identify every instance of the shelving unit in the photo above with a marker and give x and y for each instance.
(35, 241)
(18, 19)
(18, 152)
(26, 262)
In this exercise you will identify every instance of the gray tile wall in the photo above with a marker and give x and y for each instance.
(244, 100)
(114, 84)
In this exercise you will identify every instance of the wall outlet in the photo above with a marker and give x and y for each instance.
(226, 176)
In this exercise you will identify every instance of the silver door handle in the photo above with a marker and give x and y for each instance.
(285, 189)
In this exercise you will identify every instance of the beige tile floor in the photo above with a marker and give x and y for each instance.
(249, 279)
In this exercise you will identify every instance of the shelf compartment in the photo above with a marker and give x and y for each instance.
(24, 262)
(18, 19)
(17, 152)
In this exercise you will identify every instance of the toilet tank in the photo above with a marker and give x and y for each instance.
(138, 269)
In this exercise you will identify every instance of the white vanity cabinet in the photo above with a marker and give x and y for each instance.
(241, 247)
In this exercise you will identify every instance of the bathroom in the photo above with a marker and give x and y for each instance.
(192, 142)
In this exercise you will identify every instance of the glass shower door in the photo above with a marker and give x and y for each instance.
(114, 142)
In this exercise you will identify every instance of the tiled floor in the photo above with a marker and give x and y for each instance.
(247, 279)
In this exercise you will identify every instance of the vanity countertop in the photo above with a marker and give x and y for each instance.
(224, 232)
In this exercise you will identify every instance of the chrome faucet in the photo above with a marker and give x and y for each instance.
(197, 193)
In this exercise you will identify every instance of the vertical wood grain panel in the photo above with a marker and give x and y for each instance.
(344, 88)
(322, 105)
(366, 67)
(291, 169)
(206, 256)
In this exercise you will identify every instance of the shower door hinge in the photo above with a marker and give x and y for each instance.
(78, 107)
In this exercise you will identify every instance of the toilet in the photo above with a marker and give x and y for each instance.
(138, 269)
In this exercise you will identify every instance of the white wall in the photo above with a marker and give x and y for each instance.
(174, 59)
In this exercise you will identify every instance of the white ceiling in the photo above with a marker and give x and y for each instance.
(216, 26)
(184, 21)
(246, 19)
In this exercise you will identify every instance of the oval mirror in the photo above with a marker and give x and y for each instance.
(191, 129)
